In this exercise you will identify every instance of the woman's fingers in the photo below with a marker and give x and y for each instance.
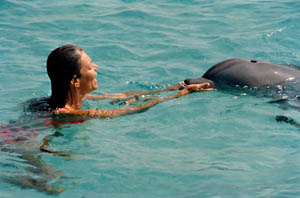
(209, 89)
(198, 87)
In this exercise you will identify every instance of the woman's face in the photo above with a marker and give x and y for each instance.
(88, 71)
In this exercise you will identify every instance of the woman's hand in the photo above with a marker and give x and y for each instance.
(199, 87)
(61, 110)
(192, 88)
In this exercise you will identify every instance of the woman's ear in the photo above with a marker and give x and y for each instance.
(75, 82)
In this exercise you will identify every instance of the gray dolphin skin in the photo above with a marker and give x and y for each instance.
(242, 72)
(256, 74)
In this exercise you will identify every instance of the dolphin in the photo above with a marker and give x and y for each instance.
(281, 83)
(246, 73)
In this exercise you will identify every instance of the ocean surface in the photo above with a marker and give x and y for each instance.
(204, 145)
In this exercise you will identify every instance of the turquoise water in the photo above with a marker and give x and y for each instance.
(212, 144)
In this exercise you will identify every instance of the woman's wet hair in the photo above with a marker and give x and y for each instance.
(63, 65)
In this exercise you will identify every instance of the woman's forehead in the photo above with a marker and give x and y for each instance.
(85, 58)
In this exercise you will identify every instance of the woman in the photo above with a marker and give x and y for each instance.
(73, 76)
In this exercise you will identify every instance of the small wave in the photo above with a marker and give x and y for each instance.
(275, 32)
(116, 52)
(129, 14)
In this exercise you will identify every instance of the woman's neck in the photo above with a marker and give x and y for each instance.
(74, 98)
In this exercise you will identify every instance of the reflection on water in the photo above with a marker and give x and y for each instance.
(26, 143)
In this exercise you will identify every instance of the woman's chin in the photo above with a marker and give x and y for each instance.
(94, 87)
(95, 84)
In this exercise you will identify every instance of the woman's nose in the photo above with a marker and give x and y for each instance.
(96, 67)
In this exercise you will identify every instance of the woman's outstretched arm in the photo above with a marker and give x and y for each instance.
(130, 93)
(130, 110)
